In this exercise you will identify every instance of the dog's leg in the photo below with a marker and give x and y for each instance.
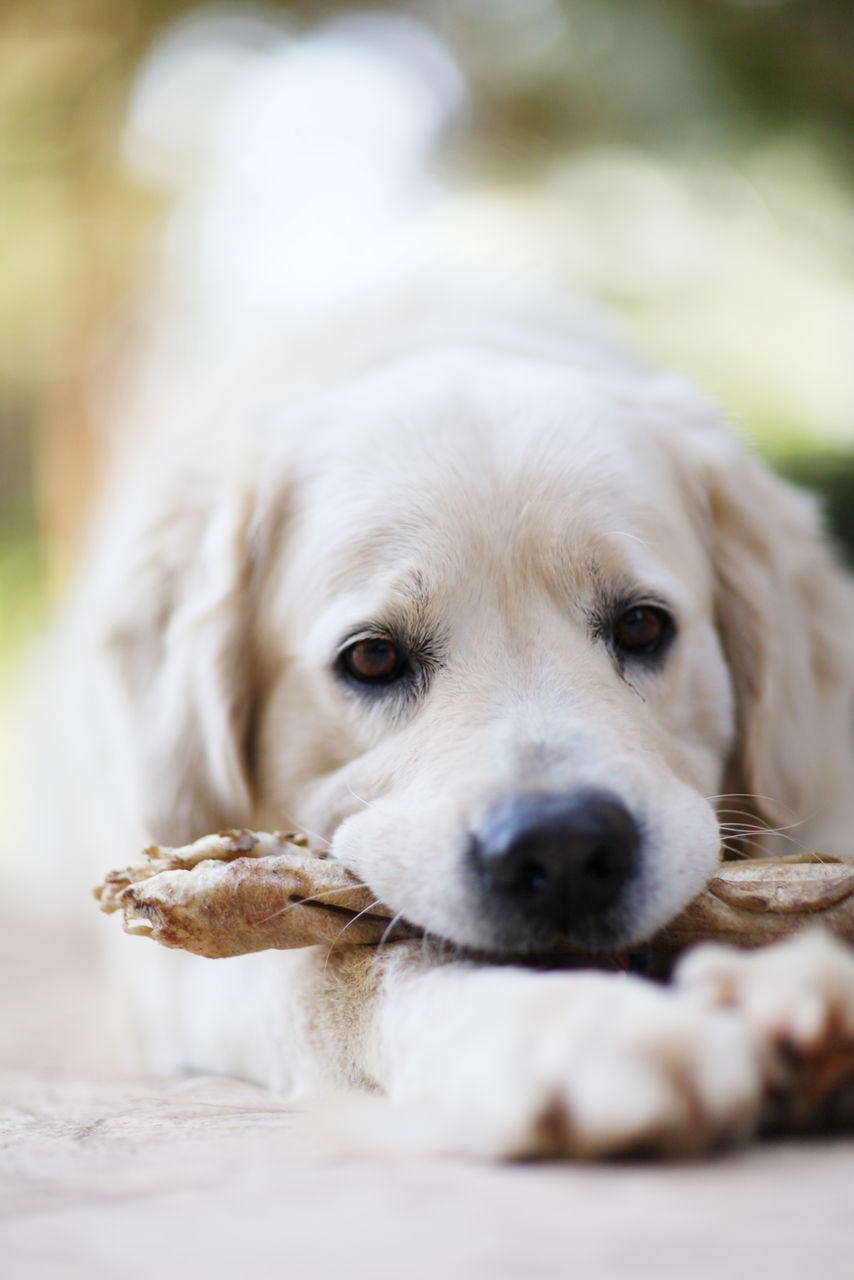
(501, 1061)
(509, 1062)
(796, 998)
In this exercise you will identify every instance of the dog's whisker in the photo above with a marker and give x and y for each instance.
(736, 843)
(750, 796)
(336, 941)
(323, 841)
(743, 833)
(738, 849)
(750, 818)
(744, 828)
(744, 813)
(768, 829)
(743, 795)
(388, 929)
(318, 898)
(365, 910)
(758, 822)
(367, 803)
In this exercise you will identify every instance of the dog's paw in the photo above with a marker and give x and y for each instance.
(650, 1074)
(591, 1065)
(796, 1000)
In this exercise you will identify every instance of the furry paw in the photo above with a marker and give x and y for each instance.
(796, 999)
(588, 1065)
(648, 1074)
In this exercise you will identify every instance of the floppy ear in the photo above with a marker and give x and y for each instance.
(785, 619)
(177, 650)
(785, 615)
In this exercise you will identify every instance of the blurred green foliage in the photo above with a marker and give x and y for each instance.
(829, 473)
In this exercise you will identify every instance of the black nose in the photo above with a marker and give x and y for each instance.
(560, 861)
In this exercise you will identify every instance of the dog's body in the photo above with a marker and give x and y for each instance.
(512, 628)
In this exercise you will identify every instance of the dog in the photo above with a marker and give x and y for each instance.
(521, 633)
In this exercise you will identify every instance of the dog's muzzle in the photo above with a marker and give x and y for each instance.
(556, 864)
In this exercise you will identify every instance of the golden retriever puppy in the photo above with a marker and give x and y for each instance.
(513, 628)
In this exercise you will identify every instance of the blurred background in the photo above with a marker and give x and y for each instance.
(689, 164)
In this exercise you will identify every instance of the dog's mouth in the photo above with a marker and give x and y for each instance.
(606, 944)
(654, 963)
(572, 934)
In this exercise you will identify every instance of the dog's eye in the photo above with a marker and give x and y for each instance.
(643, 631)
(374, 661)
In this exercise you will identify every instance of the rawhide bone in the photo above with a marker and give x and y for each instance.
(243, 891)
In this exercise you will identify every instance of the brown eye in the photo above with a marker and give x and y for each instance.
(643, 630)
(373, 661)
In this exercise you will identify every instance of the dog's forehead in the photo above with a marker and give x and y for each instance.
(455, 432)
(483, 424)
(460, 460)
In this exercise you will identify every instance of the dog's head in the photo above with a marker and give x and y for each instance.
(500, 634)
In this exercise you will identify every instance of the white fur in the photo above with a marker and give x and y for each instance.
(485, 461)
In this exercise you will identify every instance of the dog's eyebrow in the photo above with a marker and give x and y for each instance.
(413, 590)
(410, 615)
(412, 610)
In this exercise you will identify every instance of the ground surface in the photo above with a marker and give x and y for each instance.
(104, 1173)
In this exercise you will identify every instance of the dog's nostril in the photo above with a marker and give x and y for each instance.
(558, 860)
(528, 877)
(604, 863)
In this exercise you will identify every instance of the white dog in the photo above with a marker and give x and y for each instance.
(515, 630)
